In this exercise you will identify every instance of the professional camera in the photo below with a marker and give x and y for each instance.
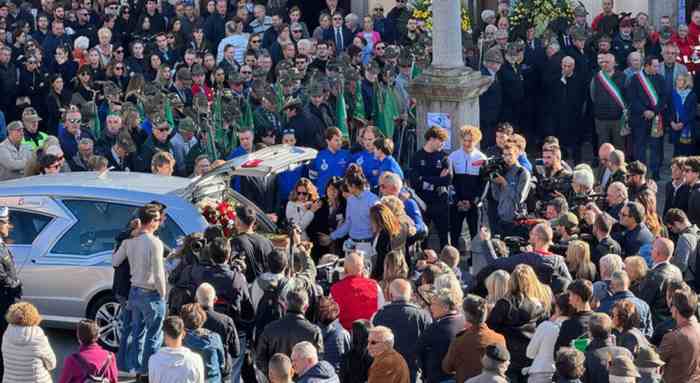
(493, 167)
(329, 271)
(579, 200)
(550, 185)
(514, 243)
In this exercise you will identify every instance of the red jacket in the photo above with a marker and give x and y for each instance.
(95, 356)
(358, 298)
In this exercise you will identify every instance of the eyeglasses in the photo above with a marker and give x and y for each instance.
(379, 9)
(380, 47)
(246, 72)
(31, 62)
(166, 129)
(297, 31)
(74, 120)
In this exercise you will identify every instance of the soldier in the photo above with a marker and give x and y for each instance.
(10, 286)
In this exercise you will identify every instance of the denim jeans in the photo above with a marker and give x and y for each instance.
(147, 314)
(123, 362)
(238, 362)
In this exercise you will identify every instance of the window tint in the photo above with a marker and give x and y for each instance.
(26, 226)
(98, 225)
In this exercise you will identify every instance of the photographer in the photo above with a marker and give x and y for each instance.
(550, 268)
(555, 208)
(510, 190)
(468, 183)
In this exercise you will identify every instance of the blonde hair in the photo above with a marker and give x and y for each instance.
(524, 282)
(497, 285)
(577, 255)
(394, 204)
(23, 314)
(687, 78)
(470, 130)
(636, 267)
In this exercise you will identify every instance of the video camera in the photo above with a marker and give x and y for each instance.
(550, 185)
(493, 167)
(579, 200)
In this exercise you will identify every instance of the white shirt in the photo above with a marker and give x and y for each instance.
(462, 162)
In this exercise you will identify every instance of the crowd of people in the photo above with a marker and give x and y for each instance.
(565, 270)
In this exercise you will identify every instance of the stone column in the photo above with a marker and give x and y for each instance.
(447, 50)
(448, 86)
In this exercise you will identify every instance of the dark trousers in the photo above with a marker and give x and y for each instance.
(437, 213)
(457, 218)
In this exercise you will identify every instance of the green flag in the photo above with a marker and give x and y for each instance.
(342, 112)
(386, 110)
(247, 116)
(214, 139)
(169, 113)
(359, 110)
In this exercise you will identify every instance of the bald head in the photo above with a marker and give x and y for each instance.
(605, 150)
(354, 263)
(400, 290)
(662, 250)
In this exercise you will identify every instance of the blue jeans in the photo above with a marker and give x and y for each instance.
(125, 331)
(147, 314)
(238, 362)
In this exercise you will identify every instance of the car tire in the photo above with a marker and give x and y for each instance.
(105, 312)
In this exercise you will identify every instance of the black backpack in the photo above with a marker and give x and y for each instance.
(271, 307)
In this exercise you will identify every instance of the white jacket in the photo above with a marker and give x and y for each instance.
(296, 213)
(541, 346)
(27, 355)
(175, 365)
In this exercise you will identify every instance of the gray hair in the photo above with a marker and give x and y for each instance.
(617, 158)
(297, 300)
(305, 350)
(446, 298)
(393, 179)
(385, 332)
(619, 281)
(633, 55)
(610, 264)
(82, 43)
(306, 43)
(621, 188)
(86, 141)
(568, 59)
(554, 45)
(206, 295)
(353, 18)
(584, 178)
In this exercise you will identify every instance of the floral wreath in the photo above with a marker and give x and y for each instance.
(540, 13)
(423, 10)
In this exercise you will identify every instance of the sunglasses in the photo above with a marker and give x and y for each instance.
(54, 166)
(301, 193)
(379, 9)
(380, 48)
(337, 18)
(119, 68)
(246, 72)
(74, 120)
(31, 62)
(374, 342)
(255, 41)
(119, 51)
(296, 31)
(163, 129)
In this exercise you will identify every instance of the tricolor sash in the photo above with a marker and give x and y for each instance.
(657, 128)
(612, 89)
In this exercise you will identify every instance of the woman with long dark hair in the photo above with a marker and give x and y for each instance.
(386, 228)
(354, 364)
(328, 217)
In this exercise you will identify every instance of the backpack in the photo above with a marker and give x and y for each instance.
(271, 307)
(98, 376)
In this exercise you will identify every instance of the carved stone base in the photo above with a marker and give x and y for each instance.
(454, 91)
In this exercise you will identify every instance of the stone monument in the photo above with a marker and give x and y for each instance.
(448, 87)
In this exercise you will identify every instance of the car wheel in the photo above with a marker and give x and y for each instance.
(105, 312)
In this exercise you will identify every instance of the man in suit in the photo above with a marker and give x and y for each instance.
(677, 191)
(182, 86)
(647, 102)
(652, 287)
(119, 156)
(513, 91)
(338, 33)
(569, 97)
(490, 102)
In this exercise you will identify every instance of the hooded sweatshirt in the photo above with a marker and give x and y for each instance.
(175, 365)
(27, 355)
(209, 346)
(265, 281)
(321, 372)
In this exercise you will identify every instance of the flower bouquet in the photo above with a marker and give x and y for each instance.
(222, 213)
(423, 10)
(540, 13)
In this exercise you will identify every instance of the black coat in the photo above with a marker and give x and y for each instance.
(255, 250)
(281, 336)
(309, 130)
(693, 210)
(598, 356)
(324, 223)
(513, 93)
(639, 102)
(329, 35)
(516, 318)
(676, 199)
(491, 101)
(225, 327)
(433, 345)
(408, 322)
(572, 328)
(652, 290)
(567, 110)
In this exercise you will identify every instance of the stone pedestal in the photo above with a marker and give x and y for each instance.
(453, 91)
(448, 86)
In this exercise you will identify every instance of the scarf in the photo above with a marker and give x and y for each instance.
(679, 97)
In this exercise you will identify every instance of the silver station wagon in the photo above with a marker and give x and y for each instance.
(64, 228)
